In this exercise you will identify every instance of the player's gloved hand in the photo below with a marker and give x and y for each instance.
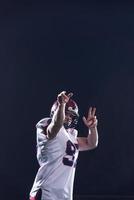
(63, 98)
(91, 120)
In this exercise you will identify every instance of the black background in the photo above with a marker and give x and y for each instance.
(86, 48)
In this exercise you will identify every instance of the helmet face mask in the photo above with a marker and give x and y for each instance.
(71, 109)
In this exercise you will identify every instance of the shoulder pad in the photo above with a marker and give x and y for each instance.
(43, 122)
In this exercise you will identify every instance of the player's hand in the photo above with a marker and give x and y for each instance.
(91, 120)
(63, 98)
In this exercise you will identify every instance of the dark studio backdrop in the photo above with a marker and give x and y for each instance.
(86, 48)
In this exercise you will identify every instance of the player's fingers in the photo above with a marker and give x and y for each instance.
(89, 112)
(70, 95)
(95, 122)
(93, 111)
(61, 96)
(94, 119)
(62, 93)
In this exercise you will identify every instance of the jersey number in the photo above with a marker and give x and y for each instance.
(70, 152)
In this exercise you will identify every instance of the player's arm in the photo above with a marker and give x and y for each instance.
(59, 115)
(91, 141)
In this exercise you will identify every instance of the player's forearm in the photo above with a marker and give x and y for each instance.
(92, 137)
(59, 115)
(57, 121)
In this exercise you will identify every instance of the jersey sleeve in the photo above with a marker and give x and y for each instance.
(43, 123)
(41, 127)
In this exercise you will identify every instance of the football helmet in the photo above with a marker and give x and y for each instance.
(72, 109)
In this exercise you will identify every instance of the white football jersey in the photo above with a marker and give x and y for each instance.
(57, 158)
